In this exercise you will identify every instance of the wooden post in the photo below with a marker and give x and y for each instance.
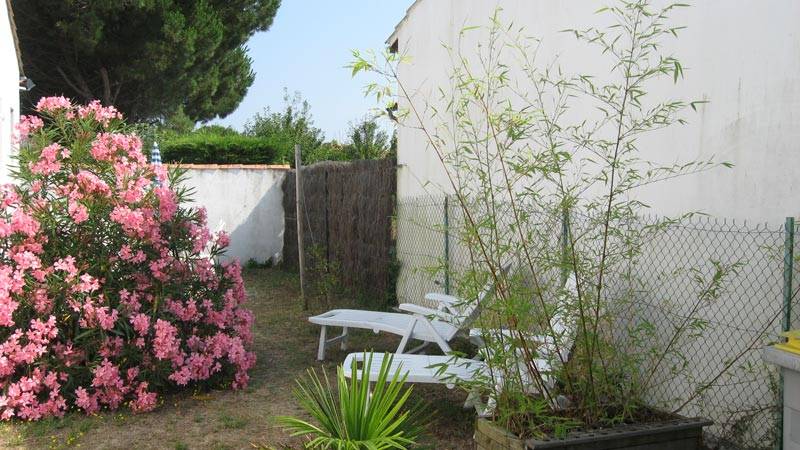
(298, 182)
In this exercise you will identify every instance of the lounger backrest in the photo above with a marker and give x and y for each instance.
(564, 330)
(470, 310)
(562, 326)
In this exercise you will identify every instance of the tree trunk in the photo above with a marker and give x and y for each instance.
(107, 100)
(82, 91)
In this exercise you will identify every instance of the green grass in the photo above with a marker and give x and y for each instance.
(232, 423)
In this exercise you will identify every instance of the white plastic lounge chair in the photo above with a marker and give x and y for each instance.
(438, 369)
(449, 370)
(436, 325)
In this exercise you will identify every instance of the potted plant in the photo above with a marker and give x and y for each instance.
(546, 168)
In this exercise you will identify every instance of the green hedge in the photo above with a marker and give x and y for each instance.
(206, 148)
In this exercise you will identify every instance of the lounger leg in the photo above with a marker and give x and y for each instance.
(442, 344)
(473, 400)
(407, 336)
(488, 411)
(344, 336)
(491, 403)
(322, 341)
(402, 346)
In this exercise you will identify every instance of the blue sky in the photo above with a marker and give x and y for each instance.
(306, 50)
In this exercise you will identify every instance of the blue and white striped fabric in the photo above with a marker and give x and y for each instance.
(155, 160)
(155, 155)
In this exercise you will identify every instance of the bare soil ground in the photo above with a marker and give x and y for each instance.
(286, 346)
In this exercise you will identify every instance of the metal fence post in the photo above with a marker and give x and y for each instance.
(446, 247)
(564, 246)
(788, 269)
(786, 322)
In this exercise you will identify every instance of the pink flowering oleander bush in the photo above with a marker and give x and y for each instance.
(109, 290)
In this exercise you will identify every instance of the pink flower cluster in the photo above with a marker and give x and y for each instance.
(26, 126)
(106, 289)
(53, 105)
(48, 160)
(125, 148)
(103, 114)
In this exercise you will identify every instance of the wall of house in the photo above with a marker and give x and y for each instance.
(245, 201)
(742, 57)
(9, 91)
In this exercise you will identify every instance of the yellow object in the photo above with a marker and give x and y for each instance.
(792, 343)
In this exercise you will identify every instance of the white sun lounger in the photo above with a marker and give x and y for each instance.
(409, 326)
(433, 369)
(436, 369)
(449, 370)
(431, 325)
(439, 369)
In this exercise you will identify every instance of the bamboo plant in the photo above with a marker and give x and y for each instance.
(547, 168)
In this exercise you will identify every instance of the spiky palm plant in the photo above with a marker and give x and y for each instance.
(358, 416)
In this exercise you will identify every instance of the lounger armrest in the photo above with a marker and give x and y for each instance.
(510, 333)
(539, 339)
(442, 298)
(446, 302)
(421, 310)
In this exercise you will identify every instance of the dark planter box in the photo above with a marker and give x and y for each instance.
(677, 434)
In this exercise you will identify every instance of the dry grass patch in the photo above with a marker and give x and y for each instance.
(286, 346)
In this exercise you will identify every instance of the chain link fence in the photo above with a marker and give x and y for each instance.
(745, 402)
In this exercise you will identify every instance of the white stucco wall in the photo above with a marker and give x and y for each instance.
(742, 56)
(247, 203)
(9, 90)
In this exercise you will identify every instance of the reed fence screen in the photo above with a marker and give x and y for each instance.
(347, 219)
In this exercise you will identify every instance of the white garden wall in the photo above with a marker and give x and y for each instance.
(245, 201)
